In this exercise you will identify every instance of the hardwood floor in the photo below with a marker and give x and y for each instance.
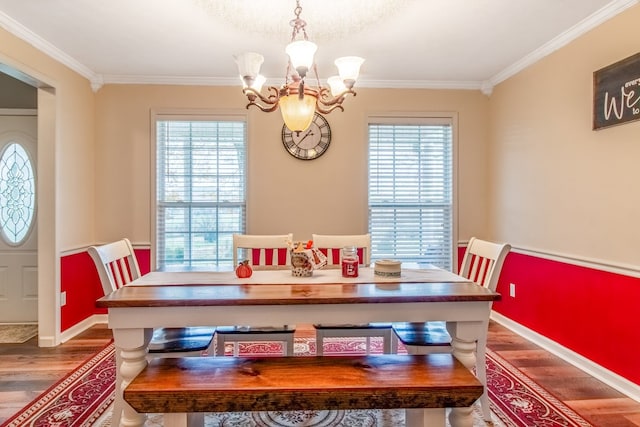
(27, 370)
(589, 397)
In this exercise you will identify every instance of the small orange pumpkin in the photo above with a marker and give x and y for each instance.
(243, 270)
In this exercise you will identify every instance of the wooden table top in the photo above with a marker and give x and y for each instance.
(180, 295)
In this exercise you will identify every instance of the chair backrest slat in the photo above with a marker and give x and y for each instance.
(263, 251)
(482, 262)
(116, 264)
(331, 245)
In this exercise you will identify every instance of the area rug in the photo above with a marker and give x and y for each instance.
(516, 399)
(84, 397)
(17, 333)
(78, 399)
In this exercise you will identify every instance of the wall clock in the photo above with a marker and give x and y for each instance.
(308, 144)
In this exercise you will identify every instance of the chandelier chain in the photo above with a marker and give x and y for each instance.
(298, 24)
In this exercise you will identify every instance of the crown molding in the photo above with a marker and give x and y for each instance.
(420, 84)
(20, 31)
(170, 80)
(589, 23)
(211, 81)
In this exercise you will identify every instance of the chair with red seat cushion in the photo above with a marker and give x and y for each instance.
(263, 252)
(331, 246)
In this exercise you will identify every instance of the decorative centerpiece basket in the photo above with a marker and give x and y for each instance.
(305, 259)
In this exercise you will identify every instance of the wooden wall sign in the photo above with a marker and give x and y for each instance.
(616, 93)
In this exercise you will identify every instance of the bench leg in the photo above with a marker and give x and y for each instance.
(425, 417)
(175, 420)
(195, 419)
(461, 417)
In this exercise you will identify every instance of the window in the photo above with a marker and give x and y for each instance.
(17, 194)
(200, 190)
(411, 190)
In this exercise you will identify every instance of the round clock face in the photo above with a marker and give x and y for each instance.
(308, 144)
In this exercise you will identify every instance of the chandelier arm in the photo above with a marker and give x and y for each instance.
(326, 100)
(262, 108)
(271, 101)
(321, 109)
(252, 94)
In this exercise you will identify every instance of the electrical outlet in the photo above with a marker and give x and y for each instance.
(512, 290)
(63, 299)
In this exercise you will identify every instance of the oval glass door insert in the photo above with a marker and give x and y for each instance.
(17, 194)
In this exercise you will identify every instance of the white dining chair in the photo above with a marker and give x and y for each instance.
(117, 266)
(264, 252)
(331, 246)
(482, 264)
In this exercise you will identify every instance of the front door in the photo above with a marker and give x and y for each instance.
(18, 233)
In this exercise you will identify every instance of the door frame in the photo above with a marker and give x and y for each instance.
(49, 308)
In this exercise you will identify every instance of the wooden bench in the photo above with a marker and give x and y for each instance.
(422, 384)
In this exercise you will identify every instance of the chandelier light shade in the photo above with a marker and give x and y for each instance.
(301, 55)
(298, 101)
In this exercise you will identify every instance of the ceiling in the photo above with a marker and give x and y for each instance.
(471, 44)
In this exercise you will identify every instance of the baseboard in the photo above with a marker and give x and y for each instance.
(83, 326)
(46, 341)
(608, 377)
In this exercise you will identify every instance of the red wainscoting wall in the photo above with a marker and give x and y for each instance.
(592, 312)
(589, 311)
(79, 279)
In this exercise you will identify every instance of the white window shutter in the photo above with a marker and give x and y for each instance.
(411, 192)
(200, 191)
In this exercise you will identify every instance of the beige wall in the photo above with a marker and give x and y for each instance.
(557, 185)
(74, 139)
(326, 195)
(65, 172)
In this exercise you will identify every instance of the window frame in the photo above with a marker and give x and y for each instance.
(186, 115)
(422, 118)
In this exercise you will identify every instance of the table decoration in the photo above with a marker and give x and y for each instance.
(305, 258)
(387, 268)
(244, 270)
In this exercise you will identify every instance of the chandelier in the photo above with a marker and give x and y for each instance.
(298, 100)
